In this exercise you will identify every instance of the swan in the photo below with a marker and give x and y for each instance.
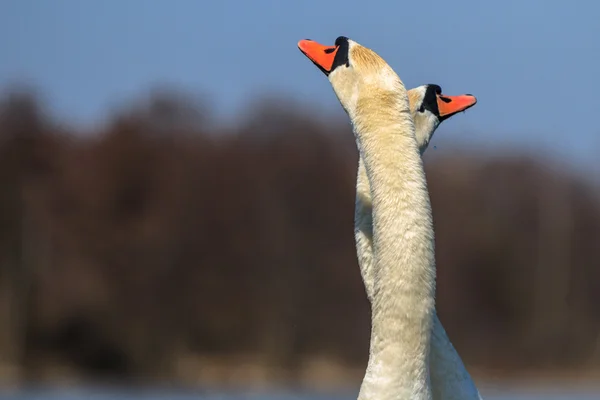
(449, 378)
(403, 296)
(357, 80)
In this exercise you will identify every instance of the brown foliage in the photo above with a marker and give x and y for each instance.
(159, 236)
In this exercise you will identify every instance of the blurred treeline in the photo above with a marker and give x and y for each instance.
(166, 238)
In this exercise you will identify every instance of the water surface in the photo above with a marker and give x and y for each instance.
(162, 394)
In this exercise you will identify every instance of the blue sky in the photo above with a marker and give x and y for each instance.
(534, 65)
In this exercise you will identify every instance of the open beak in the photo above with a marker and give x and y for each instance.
(322, 56)
(450, 105)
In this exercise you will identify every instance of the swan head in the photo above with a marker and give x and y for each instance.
(430, 107)
(361, 79)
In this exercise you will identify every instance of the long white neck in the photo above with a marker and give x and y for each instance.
(363, 229)
(363, 219)
(449, 378)
(403, 246)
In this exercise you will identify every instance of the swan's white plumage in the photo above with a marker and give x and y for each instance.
(449, 378)
(398, 263)
(403, 244)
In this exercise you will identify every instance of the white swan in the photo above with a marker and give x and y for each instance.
(449, 378)
(403, 303)
(403, 243)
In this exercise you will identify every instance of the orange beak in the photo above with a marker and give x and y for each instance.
(450, 105)
(322, 56)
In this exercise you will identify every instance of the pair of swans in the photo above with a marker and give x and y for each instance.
(410, 355)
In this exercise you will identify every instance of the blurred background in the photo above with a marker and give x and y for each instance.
(177, 196)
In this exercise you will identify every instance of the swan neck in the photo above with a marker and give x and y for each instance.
(363, 229)
(404, 264)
